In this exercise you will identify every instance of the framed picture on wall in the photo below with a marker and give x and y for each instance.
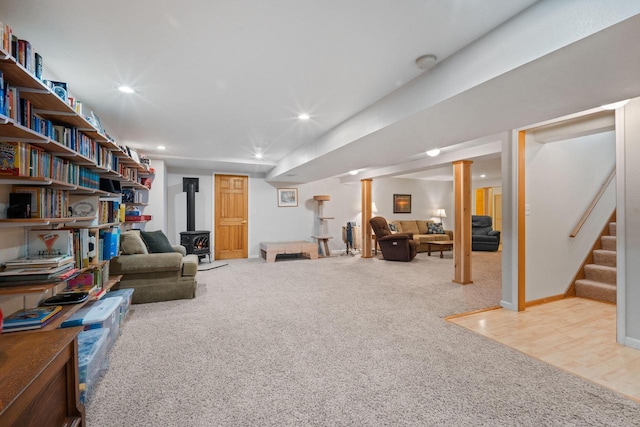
(287, 197)
(402, 203)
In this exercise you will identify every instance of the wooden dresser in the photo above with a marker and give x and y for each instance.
(39, 379)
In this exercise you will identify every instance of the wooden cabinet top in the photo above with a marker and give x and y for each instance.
(24, 357)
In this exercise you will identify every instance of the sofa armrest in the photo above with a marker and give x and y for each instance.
(397, 236)
(190, 265)
(449, 233)
(145, 263)
(180, 249)
(494, 233)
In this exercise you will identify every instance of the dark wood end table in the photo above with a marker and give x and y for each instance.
(441, 245)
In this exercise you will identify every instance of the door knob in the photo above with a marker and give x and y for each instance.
(244, 221)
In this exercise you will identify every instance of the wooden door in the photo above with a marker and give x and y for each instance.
(480, 201)
(231, 217)
(497, 210)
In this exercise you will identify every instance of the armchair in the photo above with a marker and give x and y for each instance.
(394, 247)
(483, 236)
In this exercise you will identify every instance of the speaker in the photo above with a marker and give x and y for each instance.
(19, 205)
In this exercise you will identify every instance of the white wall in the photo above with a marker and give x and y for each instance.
(562, 179)
(628, 218)
(268, 222)
(176, 202)
(426, 197)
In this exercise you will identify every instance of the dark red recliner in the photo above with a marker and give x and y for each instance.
(394, 247)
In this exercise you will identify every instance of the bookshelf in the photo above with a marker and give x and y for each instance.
(62, 149)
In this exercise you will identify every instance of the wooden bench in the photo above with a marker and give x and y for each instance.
(269, 250)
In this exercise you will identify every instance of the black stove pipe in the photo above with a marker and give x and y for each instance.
(190, 186)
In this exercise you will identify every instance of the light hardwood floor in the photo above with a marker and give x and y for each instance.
(574, 334)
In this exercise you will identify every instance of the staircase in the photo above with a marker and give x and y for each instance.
(599, 280)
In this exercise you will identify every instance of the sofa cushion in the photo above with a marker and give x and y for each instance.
(426, 238)
(156, 242)
(131, 243)
(423, 226)
(409, 227)
(144, 264)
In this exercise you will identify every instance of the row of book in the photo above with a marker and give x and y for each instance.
(46, 202)
(24, 159)
(60, 254)
(21, 50)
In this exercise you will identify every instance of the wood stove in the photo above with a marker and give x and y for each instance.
(196, 242)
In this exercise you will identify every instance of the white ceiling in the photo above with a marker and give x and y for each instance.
(218, 81)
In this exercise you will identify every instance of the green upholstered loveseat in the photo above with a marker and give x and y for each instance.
(157, 276)
(420, 230)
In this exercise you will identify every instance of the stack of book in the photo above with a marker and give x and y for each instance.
(32, 318)
(38, 269)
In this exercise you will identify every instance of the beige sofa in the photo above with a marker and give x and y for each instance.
(420, 231)
(157, 276)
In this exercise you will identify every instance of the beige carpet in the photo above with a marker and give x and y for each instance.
(333, 342)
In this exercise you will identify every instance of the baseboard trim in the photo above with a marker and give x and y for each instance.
(545, 300)
(468, 313)
(509, 306)
(632, 342)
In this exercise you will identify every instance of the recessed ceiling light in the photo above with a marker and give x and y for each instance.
(126, 89)
(258, 155)
(161, 147)
(615, 105)
(433, 153)
(353, 172)
(304, 116)
(483, 176)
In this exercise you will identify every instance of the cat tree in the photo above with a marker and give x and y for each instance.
(321, 228)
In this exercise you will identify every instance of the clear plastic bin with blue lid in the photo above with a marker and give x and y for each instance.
(92, 350)
(127, 295)
(99, 314)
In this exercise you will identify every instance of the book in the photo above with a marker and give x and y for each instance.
(39, 262)
(10, 158)
(30, 316)
(82, 283)
(41, 273)
(49, 243)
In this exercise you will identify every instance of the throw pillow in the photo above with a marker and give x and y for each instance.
(392, 227)
(131, 243)
(156, 241)
(435, 228)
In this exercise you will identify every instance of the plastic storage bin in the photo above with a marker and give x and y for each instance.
(92, 349)
(127, 295)
(104, 313)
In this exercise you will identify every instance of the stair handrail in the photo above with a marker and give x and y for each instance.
(593, 204)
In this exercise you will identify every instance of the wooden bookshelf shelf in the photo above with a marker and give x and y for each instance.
(30, 222)
(27, 288)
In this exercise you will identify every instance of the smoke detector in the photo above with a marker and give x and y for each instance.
(426, 62)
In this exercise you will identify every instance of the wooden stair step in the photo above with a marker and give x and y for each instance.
(608, 243)
(600, 273)
(596, 290)
(605, 257)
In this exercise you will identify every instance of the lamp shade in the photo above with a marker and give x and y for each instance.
(441, 213)
(374, 208)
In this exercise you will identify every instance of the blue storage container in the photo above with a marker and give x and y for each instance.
(104, 313)
(92, 349)
(127, 296)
